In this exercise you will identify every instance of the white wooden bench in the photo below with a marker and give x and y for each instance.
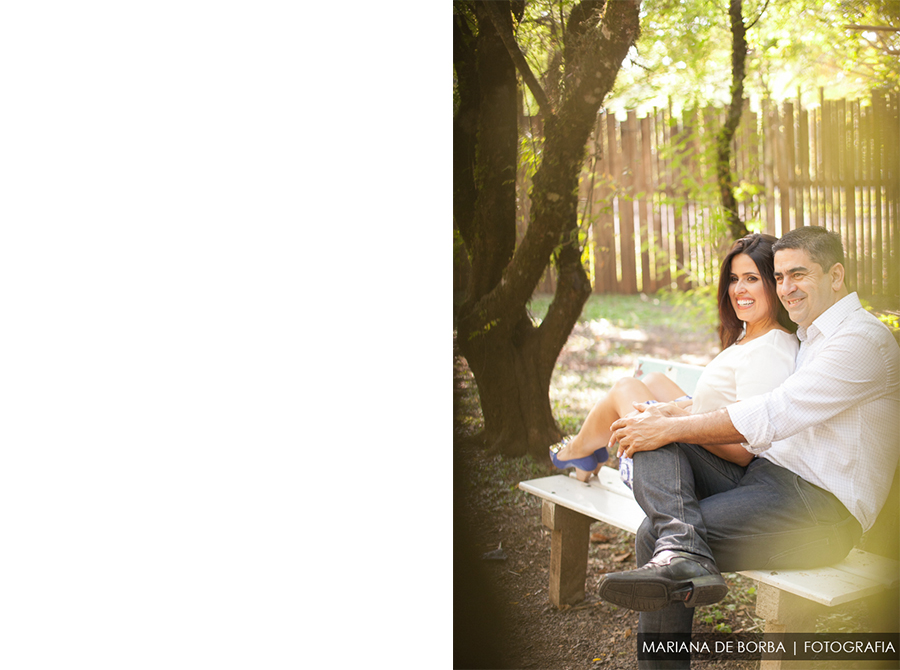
(788, 600)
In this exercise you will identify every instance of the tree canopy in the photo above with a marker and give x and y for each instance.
(683, 53)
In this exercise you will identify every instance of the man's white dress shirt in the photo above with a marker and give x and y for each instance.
(836, 420)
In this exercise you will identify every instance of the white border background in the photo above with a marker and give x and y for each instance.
(225, 290)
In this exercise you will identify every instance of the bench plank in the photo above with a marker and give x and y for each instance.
(607, 499)
(829, 586)
(592, 499)
(683, 374)
(859, 575)
(873, 566)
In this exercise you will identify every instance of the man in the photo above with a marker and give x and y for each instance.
(826, 443)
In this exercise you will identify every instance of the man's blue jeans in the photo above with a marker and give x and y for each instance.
(759, 517)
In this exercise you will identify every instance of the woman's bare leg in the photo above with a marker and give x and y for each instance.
(595, 432)
(662, 388)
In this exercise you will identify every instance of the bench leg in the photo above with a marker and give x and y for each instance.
(568, 552)
(784, 613)
(884, 611)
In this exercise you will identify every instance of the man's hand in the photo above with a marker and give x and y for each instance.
(666, 408)
(645, 429)
(654, 426)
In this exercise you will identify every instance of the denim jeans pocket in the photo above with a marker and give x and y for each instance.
(823, 507)
(810, 554)
(824, 544)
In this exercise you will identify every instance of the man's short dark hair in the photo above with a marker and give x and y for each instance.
(823, 246)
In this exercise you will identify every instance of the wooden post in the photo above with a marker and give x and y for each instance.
(784, 613)
(568, 552)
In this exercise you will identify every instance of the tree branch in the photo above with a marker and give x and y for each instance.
(503, 30)
(592, 66)
(872, 28)
(761, 12)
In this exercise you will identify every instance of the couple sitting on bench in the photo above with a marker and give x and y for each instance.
(777, 464)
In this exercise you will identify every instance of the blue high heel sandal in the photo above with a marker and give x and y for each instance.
(586, 463)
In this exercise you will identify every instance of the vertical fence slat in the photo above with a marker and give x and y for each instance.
(849, 140)
(615, 171)
(626, 205)
(889, 175)
(753, 165)
(604, 240)
(648, 282)
(802, 170)
(591, 204)
(877, 185)
(832, 156)
(786, 166)
(684, 224)
(660, 255)
(813, 167)
(669, 133)
(865, 196)
(768, 165)
(837, 165)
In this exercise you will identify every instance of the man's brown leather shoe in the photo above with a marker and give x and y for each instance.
(668, 577)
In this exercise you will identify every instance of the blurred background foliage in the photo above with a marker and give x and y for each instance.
(683, 56)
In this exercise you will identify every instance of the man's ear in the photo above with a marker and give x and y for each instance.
(837, 276)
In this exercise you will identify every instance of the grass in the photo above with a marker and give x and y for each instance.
(611, 331)
(685, 311)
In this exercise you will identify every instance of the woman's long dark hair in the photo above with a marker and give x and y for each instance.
(758, 247)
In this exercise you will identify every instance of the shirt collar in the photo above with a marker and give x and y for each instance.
(831, 318)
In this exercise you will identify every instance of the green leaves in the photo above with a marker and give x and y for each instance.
(683, 54)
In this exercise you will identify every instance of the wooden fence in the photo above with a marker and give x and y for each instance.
(650, 207)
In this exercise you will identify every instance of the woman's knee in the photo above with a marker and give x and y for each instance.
(628, 385)
(657, 383)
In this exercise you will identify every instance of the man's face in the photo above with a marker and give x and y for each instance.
(805, 288)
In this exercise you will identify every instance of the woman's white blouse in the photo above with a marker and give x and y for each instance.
(745, 370)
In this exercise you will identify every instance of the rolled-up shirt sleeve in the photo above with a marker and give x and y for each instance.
(834, 380)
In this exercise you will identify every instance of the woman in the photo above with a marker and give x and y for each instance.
(758, 352)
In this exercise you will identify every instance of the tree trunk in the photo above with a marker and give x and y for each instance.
(514, 389)
(733, 117)
(511, 359)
